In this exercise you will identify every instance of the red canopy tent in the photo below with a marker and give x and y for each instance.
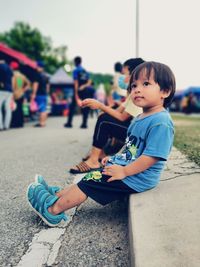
(15, 55)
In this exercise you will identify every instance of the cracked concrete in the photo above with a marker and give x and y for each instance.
(178, 166)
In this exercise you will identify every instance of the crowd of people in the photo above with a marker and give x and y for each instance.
(139, 118)
(19, 97)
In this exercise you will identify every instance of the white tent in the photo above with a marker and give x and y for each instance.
(60, 77)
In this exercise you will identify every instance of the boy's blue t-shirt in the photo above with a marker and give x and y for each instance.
(151, 136)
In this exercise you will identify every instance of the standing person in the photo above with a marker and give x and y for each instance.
(191, 103)
(20, 85)
(118, 93)
(40, 94)
(100, 93)
(82, 90)
(139, 165)
(6, 95)
(112, 123)
(184, 103)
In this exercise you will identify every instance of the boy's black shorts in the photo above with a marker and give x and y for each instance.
(95, 186)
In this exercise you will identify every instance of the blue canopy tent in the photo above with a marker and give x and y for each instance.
(192, 89)
(193, 92)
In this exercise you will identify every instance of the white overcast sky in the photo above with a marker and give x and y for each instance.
(103, 31)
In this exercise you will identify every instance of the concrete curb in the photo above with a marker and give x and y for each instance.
(164, 225)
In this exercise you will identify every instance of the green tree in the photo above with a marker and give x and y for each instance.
(106, 79)
(31, 42)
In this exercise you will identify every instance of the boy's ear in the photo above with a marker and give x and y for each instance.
(165, 94)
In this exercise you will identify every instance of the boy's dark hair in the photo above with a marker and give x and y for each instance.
(118, 67)
(77, 61)
(162, 75)
(132, 63)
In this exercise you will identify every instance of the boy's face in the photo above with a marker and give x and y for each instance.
(146, 93)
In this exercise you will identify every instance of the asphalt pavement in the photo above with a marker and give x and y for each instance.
(95, 235)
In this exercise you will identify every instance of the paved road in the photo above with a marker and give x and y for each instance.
(96, 236)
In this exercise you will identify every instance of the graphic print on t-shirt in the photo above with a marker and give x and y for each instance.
(129, 152)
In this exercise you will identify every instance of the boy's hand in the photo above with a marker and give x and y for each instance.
(115, 171)
(104, 160)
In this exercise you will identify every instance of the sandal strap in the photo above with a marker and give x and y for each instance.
(82, 166)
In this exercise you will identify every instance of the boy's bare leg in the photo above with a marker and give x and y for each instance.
(73, 197)
(63, 191)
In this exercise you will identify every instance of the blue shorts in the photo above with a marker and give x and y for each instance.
(41, 101)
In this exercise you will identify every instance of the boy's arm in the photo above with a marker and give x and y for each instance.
(154, 146)
(118, 172)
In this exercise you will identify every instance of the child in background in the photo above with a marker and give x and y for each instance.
(137, 167)
(117, 93)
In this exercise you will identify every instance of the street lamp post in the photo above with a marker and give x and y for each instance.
(137, 30)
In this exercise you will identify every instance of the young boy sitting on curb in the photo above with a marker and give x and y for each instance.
(137, 167)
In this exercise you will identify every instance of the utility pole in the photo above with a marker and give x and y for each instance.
(137, 30)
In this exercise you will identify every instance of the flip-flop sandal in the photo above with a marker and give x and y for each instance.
(83, 167)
